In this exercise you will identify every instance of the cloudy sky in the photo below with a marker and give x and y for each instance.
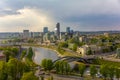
(82, 15)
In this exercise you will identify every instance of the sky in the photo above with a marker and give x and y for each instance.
(80, 15)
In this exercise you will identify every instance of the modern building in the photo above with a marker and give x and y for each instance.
(58, 30)
(45, 30)
(26, 34)
(68, 29)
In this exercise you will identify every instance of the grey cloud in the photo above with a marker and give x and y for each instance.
(86, 13)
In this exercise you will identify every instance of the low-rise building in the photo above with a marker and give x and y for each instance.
(86, 48)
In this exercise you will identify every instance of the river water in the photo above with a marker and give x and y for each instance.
(42, 53)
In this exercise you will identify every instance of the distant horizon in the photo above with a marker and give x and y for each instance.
(65, 31)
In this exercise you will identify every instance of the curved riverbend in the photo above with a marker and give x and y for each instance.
(42, 53)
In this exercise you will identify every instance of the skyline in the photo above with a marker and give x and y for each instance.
(82, 15)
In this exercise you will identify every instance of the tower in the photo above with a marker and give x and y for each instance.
(26, 34)
(68, 29)
(58, 30)
(45, 30)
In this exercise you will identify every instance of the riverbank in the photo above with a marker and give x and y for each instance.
(53, 48)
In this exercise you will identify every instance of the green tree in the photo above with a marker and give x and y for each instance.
(43, 64)
(30, 53)
(62, 67)
(7, 54)
(3, 70)
(67, 67)
(81, 68)
(104, 71)
(75, 47)
(29, 76)
(23, 54)
(93, 71)
(111, 72)
(117, 73)
(57, 66)
(47, 64)
(15, 69)
(89, 52)
(15, 50)
(93, 41)
(63, 44)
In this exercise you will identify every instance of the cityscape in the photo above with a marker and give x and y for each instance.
(56, 40)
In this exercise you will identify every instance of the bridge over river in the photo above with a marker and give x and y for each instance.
(87, 59)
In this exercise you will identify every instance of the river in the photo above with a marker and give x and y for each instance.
(42, 53)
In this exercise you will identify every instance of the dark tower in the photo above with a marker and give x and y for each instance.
(45, 30)
(58, 30)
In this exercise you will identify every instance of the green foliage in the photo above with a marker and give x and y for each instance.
(7, 54)
(81, 68)
(15, 68)
(60, 50)
(74, 40)
(57, 66)
(15, 50)
(30, 40)
(30, 53)
(28, 58)
(75, 47)
(117, 73)
(111, 72)
(93, 41)
(104, 71)
(47, 64)
(93, 71)
(62, 67)
(9, 51)
(89, 52)
(63, 44)
(23, 54)
(29, 76)
(102, 62)
(3, 70)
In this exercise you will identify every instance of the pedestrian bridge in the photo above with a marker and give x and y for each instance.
(86, 60)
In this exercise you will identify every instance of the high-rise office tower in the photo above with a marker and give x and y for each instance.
(45, 30)
(58, 30)
(26, 34)
(68, 29)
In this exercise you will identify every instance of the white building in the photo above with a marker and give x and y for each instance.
(84, 49)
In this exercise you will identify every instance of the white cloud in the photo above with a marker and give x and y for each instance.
(67, 12)
(32, 19)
